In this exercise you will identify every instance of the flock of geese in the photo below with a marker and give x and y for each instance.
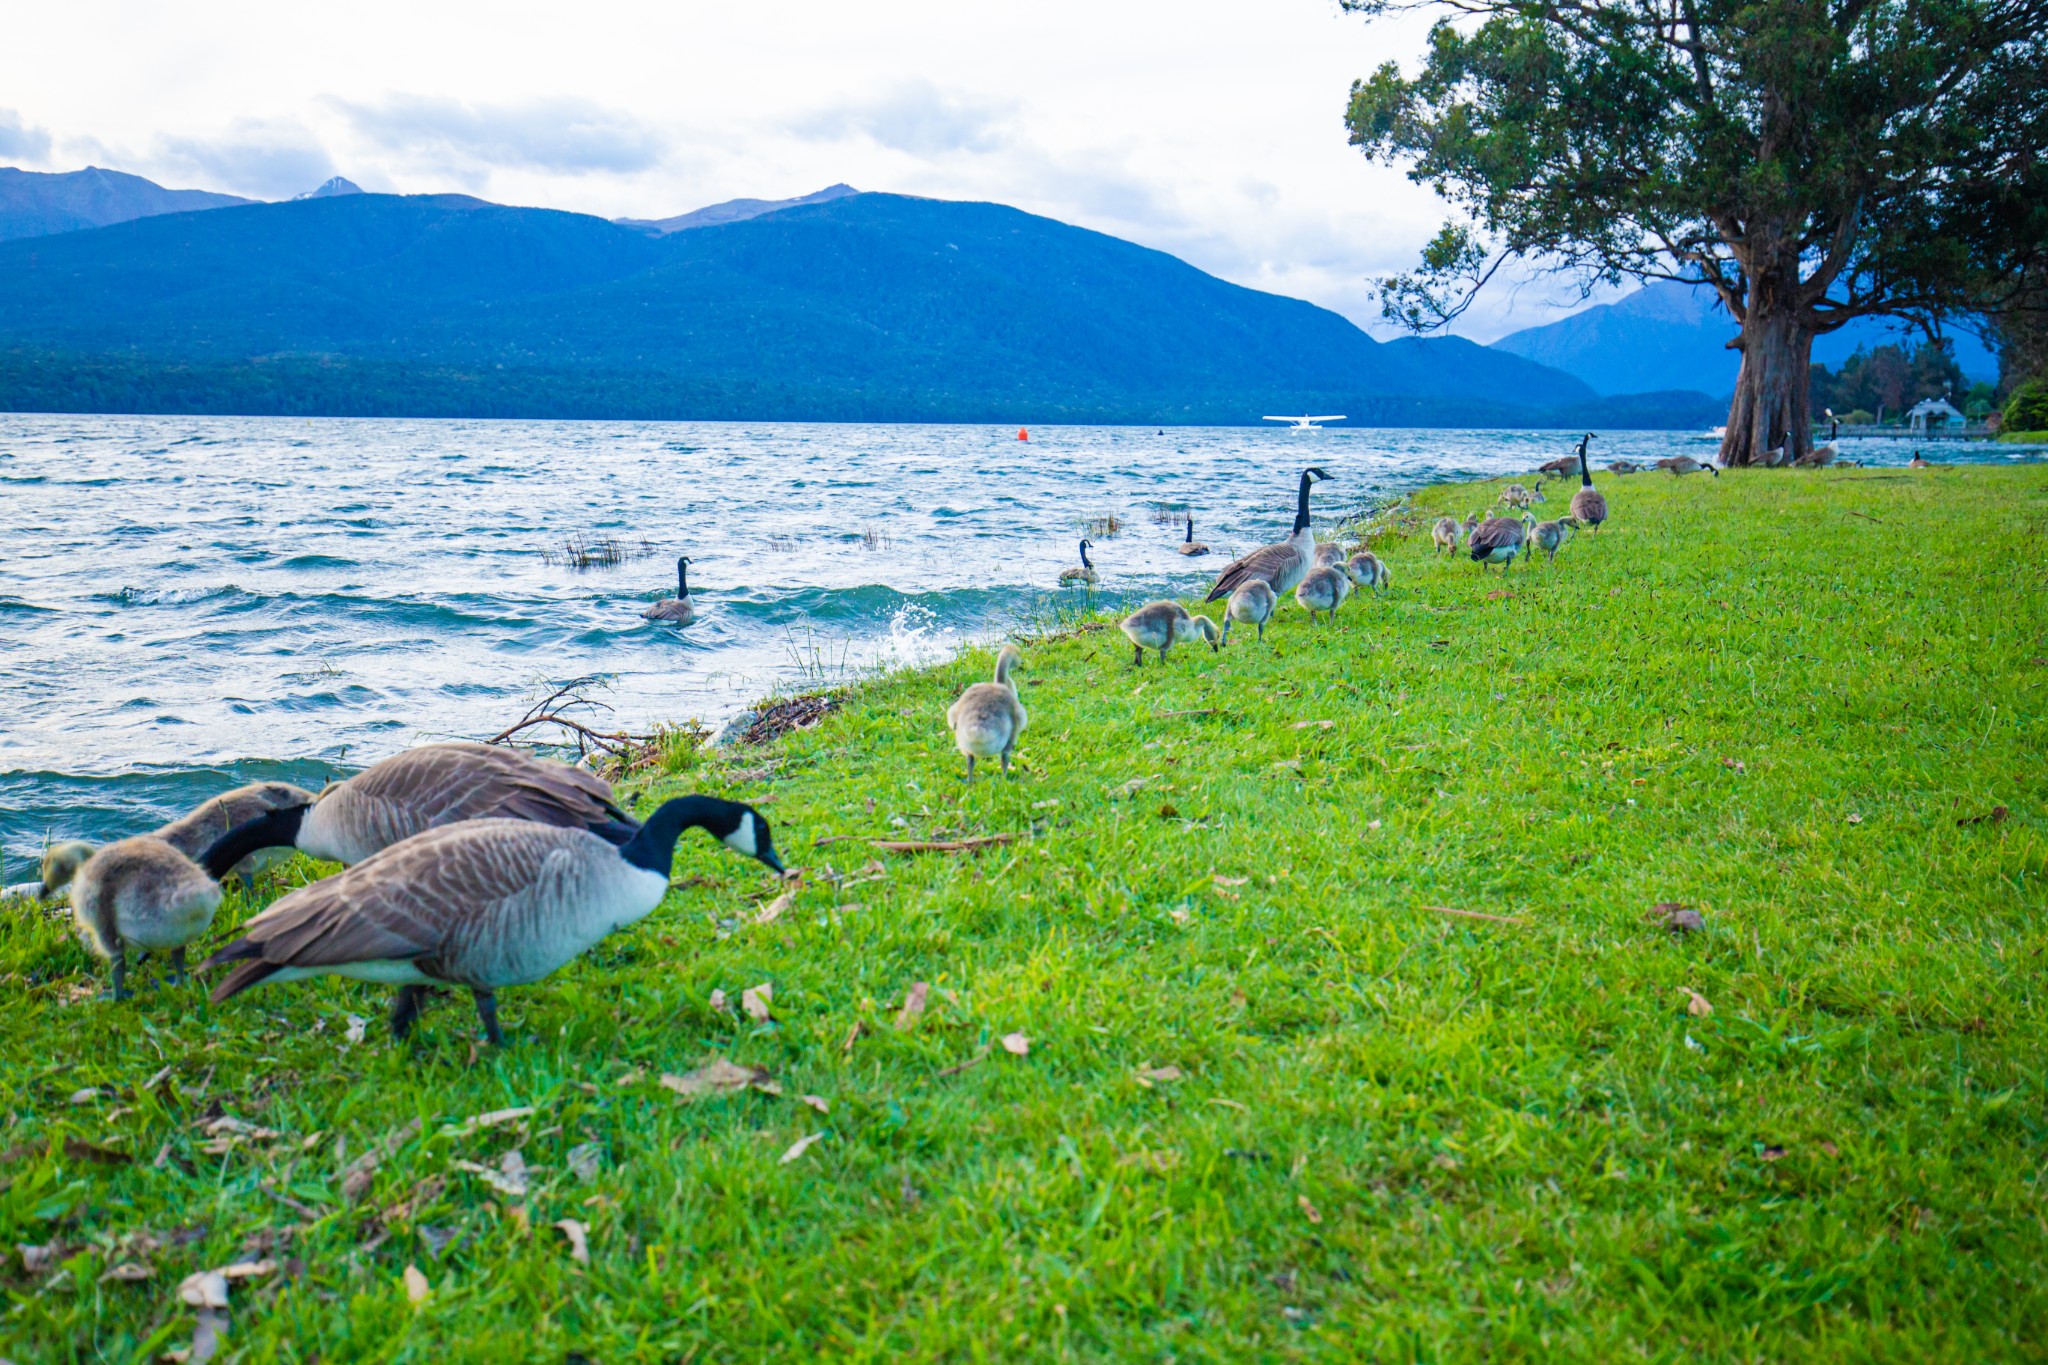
(480, 867)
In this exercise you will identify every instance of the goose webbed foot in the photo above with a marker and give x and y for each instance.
(487, 1010)
(118, 988)
(405, 1010)
(176, 976)
(969, 779)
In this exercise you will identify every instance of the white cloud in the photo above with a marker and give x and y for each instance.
(21, 142)
(562, 135)
(258, 158)
(916, 117)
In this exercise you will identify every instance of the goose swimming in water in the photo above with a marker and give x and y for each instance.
(1282, 564)
(1086, 572)
(480, 903)
(1191, 546)
(424, 787)
(678, 610)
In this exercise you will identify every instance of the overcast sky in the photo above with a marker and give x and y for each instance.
(1209, 128)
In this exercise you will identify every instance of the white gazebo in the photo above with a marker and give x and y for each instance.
(1932, 412)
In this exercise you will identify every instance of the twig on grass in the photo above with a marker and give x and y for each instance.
(1475, 914)
(940, 845)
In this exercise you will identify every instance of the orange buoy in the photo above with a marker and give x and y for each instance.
(1023, 435)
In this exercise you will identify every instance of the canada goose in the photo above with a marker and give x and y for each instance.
(1824, 454)
(1561, 467)
(1323, 590)
(1086, 572)
(1445, 534)
(1160, 625)
(191, 834)
(1472, 520)
(678, 610)
(988, 717)
(1918, 462)
(478, 903)
(1514, 495)
(1368, 570)
(141, 892)
(1281, 564)
(1253, 604)
(1623, 467)
(1685, 464)
(1549, 535)
(1589, 504)
(1499, 541)
(421, 788)
(1191, 546)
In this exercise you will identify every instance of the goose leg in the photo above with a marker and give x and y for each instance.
(1139, 662)
(1262, 632)
(487, 1010)
(176, 976)
(405, 1010)
(970, 770)
(117, 961)
(1006, 763)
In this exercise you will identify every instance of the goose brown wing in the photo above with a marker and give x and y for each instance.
(1265, 564)
(404, 902)
(1589, 504)
(438, 784)
(1493, 534)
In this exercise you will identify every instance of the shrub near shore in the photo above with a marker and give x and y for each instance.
(1201, 1067)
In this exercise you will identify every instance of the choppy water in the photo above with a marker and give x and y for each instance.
(191, 602)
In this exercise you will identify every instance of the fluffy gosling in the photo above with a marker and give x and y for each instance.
(1368, 570)
(1161, 625)
(1445, 534)
(143, 892)
(1324, 590)
(1549, 535)
(988, 717)
(1252, 604)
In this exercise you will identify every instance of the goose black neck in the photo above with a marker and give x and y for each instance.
(1301, 503)
(1084, 556)
(654, 847)
(1191, 532)
(1585, 475)
(277, 829)
(683, 578)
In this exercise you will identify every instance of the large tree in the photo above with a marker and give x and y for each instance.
(1813, 161)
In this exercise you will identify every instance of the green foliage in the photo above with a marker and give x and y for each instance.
(2027, 409)
(1397, 1133)
(1889, 377)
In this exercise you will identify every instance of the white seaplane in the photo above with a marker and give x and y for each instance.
(1306, 423)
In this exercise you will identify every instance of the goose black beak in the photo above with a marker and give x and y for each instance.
(773, 863)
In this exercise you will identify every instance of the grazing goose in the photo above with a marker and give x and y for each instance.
(1368, 570)
(1623, 467)
(988, 717)
(1323, 590)
(1824, 454)
(1086, 572)
(678, 610)
(1328, 555)
(144, 893)
(1499, 541)
(1445, 534)
(1191, 546)
(1253, 604)
(1549, 535)
(1160, 625)
(1281, 564)
(1514, 495)
(1685, 464)
(479, 903)
(1561, 467)
(1472, 520)
(421, 788)
(1589, 504)
(192, 833)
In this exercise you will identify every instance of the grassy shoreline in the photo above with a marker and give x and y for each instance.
(1274, 1104)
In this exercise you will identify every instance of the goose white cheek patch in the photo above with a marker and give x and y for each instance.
(741, 840)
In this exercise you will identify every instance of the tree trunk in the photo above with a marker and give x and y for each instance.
(1770, 421)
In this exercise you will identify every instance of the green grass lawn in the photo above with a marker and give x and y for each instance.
(1274, 1105)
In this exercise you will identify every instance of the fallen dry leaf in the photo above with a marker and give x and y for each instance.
(716, 1075)
(204, 1289)
(800, 1146)
(491, 1120)
(358, 1028)
(1855, 819)
(1229, 881)
(1774, 1153)
(37, 1260)
(1147, 1075)
(509, 1178)
(1179, 915)
(249, 1270)
(940, 845)
(1016, 1044)
(913, 1005)
(1679, 919)
(1308, 1209)
(1158, 1162)
(719, 1003)
(1696, 1004)
(585, 1159)
(772, 911)
(1319, 724)
(80, 1150)
(1830, 1149)
(756, 1000)
(128, 1272)
(416, 1287)
(579, 1239)
(816, 1102)
(1734, 765)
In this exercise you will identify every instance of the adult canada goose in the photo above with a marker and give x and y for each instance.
(1367, 570)
(1825, 454)
(1445, 534)
(1161, 625)
(144, 893)
(1323, 590)
(1549, 535)
(1589, 504)
(1083, 574)
(424, 787)
(988, 717)
(1283, 563)
(1253, 604)
(1499, 541)
(192, 833)
(1191, 546)
(1623, 467)
(1561, 467)
(1685, 464)
(678, 610)
(479, 903)
(1918, 462)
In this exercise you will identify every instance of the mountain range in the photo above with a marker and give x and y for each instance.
(37, 204)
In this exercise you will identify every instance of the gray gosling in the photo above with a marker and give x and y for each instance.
(1472, 520)
(1549, 535)
(1623, 467)
(1329, 554)
(1324, 590)
(1368, 570)
(193, 832)
(1252, 604)
(481, 903)
(1685, 464)
(1191, 546)
(988, 717)
(1445, 534)
(678, 610)
(1083, 574)
(143, 893)
(1161, 625)
(1499, 541)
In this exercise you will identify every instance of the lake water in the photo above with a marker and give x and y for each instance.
(190, 602)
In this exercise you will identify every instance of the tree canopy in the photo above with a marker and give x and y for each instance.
(1813, 161)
